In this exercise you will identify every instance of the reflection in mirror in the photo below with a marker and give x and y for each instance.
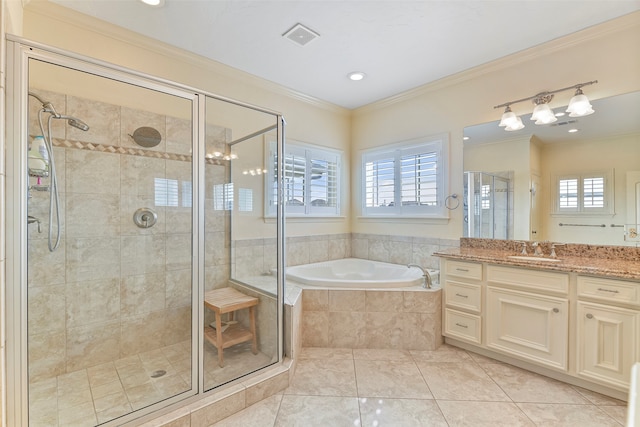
(572, 150)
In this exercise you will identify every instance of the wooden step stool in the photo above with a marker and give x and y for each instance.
(229, 300)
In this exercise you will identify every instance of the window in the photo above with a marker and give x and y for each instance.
(223, 197)
(585, 193)
(405, 179)
(166, 193)
(311, 180)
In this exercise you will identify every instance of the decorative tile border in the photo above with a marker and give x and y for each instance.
(114, 149)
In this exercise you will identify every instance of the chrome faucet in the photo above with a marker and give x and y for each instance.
(32, 219)
(426, 277)
(538, 249)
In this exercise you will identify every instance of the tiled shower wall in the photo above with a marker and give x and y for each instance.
(112, 289)
(256, 257)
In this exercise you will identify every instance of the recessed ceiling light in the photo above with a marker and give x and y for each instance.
(465, 138)
(154, 3)
(574, 130)
(356, 76)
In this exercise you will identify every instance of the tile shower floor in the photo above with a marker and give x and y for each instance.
(446, 387)
(101, 393)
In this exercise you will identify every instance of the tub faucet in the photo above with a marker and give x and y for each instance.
(426, 282)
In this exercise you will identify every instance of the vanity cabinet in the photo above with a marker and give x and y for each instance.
(523, 320)
(608, 325)
(574, 327)
(463, 301)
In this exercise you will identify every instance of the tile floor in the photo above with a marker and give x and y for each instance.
(445, 387)
(101, 393)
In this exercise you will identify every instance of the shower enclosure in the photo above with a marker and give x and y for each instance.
(128, 201)
(488, 209)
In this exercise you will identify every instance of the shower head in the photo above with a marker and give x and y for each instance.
(75, 122)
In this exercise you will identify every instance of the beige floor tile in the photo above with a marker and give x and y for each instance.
(460, 381)
(382, 354)
(445, 353)
(107, 389)
(326, 353)
(384, 378)
(483, 414)
(599, 399)
(618, 413)
(113, 412)
(376, 411)
(102, 374)
(262, 414)
(82, 415)
(316, 377)
(306, 411)
(561, 415)
(525, 386)
(112, 400)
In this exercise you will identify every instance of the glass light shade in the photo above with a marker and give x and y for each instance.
(579, 106)
(509, 118)
(516, 126)
(543, 114)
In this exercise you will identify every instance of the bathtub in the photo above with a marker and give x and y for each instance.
(355, 273)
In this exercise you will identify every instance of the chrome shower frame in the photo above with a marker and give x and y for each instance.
(19, 52)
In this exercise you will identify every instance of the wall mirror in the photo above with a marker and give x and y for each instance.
(533, 161)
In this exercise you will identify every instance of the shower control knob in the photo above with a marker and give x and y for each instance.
(145, 218)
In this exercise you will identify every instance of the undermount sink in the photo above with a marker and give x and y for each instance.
(533, 258)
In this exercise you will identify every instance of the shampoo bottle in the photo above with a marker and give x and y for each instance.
(38, 157)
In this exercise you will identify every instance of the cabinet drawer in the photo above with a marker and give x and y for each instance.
(609, 290)
(461, 325)
(468, 270)
(466, 296)
(535, 280)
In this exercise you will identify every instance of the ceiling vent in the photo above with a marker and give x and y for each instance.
(301, 35)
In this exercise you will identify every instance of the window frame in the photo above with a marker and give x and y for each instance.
(580, 209)
(310, 153)
(438, 144)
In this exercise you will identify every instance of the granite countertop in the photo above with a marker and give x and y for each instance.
(618, 268)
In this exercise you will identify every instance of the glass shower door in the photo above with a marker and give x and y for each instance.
(110, 295)
(240, 247)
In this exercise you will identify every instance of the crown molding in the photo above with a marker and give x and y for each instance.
(122, 35)
(613, 26)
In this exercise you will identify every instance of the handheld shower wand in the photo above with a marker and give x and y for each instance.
(54, 199)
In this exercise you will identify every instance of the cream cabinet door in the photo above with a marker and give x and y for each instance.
(607, 343)
(529, 326)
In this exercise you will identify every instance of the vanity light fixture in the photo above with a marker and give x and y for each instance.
(542, 113)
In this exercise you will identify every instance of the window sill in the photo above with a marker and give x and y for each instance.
(406, 219)
(306, 218)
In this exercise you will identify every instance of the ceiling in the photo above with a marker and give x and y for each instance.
(399, 44)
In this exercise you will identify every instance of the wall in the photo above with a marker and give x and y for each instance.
(308, 120)
(607, 52)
